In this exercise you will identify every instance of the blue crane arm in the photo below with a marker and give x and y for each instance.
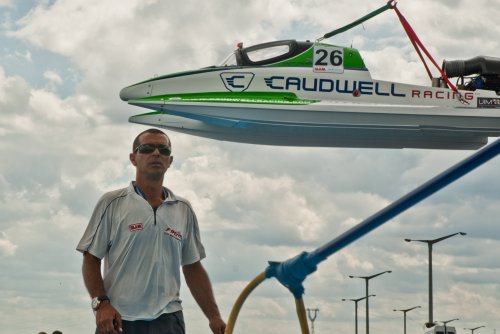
(291, 273)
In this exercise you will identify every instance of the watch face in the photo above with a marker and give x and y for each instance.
(95, 303)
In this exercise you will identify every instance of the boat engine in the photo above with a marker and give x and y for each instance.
(476, 73)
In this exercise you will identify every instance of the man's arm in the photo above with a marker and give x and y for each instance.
(199, 284)
(106, 314)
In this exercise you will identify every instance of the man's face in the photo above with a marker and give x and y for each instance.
(151, 165)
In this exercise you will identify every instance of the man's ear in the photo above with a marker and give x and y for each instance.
(170, 160)
(132, 159)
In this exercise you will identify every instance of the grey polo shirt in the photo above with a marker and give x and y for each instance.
(143, 250)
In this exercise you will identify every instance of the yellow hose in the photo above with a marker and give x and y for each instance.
(241, 299)
(301, 313)
(299, 306)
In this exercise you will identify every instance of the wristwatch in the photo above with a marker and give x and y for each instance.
(96, 301)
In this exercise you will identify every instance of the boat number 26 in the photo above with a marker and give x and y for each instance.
(328, 59)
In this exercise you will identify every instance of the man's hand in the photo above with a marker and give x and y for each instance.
(107, 319)
(199, 284)
(217, 325)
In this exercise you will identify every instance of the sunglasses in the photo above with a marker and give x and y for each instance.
(150, 148)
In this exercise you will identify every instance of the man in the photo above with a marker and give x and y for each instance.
(145, 234)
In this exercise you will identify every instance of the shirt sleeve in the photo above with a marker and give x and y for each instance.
(97, 236)
(192, 248)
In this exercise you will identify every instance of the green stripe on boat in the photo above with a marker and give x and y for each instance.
(233, 97)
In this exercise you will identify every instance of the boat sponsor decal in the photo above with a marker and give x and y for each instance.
(173, 233)
(237, 81)
(488, 102)
(328, 59)
(135, 227)
(440, 94)
(328, 85)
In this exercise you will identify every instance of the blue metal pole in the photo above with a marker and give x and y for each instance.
(291, 273)
(430, 187)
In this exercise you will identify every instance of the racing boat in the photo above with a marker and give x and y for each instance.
(302, 93)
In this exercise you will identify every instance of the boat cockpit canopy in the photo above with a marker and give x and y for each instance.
(265, 53)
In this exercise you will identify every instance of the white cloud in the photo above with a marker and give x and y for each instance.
(26, 55)
(6, 3)
(53, 78)
(7, 248)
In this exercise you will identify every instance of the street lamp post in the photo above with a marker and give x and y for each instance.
(473, 329)
(404, 314)
(356, 310)
(447, 321)
(367, 278)
(429, 244)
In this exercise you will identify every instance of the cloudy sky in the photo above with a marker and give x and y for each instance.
(65, 139)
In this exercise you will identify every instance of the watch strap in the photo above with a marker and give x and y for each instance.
(96, 301)
(102, 298)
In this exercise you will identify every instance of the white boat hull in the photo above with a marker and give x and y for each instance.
(328, 124)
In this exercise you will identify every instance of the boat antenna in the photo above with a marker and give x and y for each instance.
(359, 21)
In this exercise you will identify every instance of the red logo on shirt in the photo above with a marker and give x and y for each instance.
(173, 233)
(135, 227)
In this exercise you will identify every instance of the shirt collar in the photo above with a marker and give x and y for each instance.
(169, 196)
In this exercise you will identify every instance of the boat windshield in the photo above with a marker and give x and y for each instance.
(265, 53)
(271, 52)
(229, 60)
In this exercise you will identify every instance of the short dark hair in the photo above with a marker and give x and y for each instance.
(152, 130)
